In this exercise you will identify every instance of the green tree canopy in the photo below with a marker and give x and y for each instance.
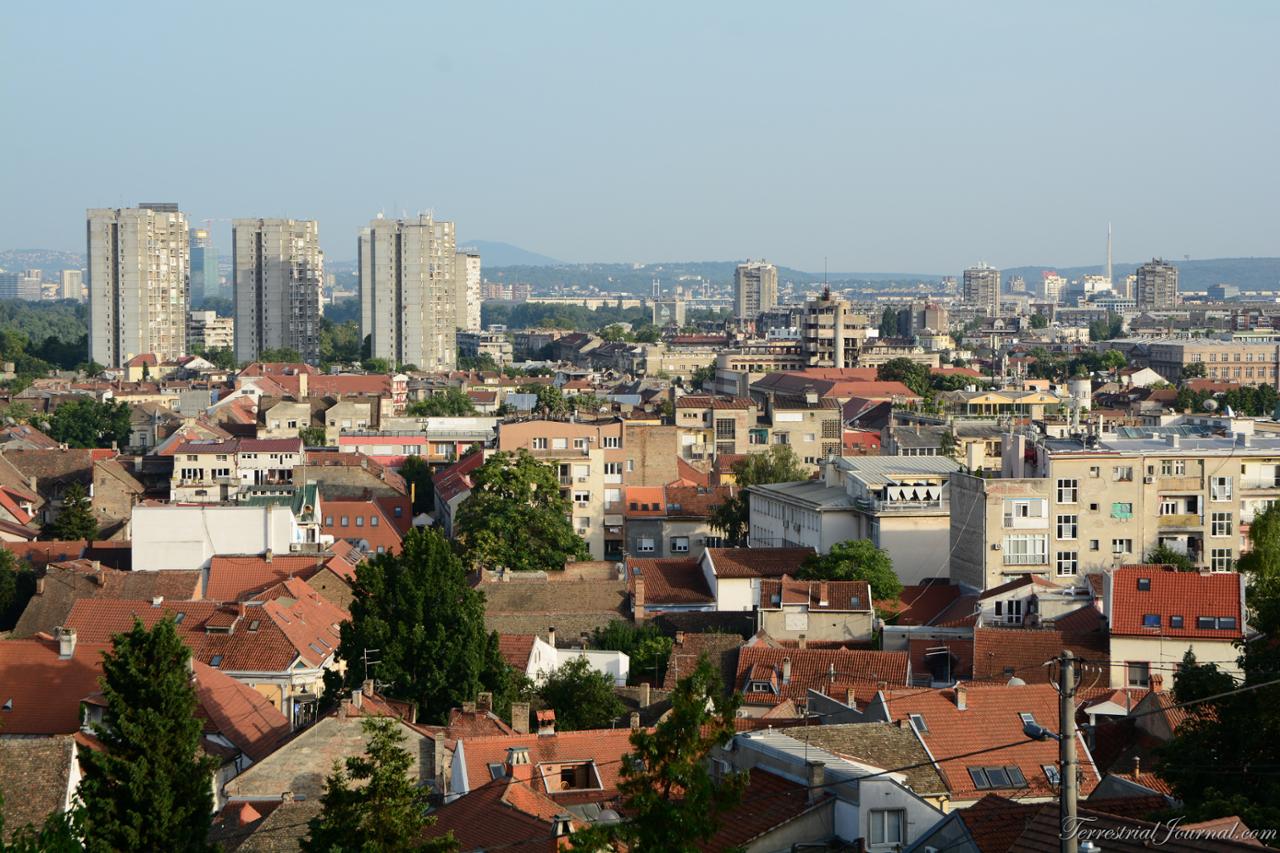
(581, 697)
(76, 520)
(387, 812)
(483, 361)
(1164, 555)
(669, 797)
(1195, 370)
(17, 585)
(280, 354)
(312, 436)
(777, 464)
(377, 365)
(451, 402)
(84, 422)
(151, 788)
(516, 516)
(1039, 321)
(417, 474)
(855, 560)
(427, 625)
(644, 643)
(889, 323)
(914, 376)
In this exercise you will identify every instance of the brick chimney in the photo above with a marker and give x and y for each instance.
(520, 717)
(816, 777)
(635, 720)
(801, 642)
(637, 601)
(645, 698)
(961, 697)
(1157, 683)
(66, 643)
(367, 687)
(786, 670)
(518, 766)
(546, 723)
(679, 638)
(823, 601)
(484, 702)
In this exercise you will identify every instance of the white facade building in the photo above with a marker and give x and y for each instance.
(188, 537)
(278, 271)
(138, 270)
(467, 290)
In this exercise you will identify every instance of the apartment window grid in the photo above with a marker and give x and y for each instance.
(1068, 563)
(1068, 526)
(1122, 473)
(1220, 489)
(1220, 524)
(1068, 491)
(1173, 467)
(1022, 550)
(1121, 546)
(1220, 560)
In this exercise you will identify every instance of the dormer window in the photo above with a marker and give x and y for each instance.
(216, 660)
(1144, 584)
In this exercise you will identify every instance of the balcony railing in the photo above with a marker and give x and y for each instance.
(1260, 483)
(1180, 520)
(1187, 483)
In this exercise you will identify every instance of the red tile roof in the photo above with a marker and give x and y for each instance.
(270, 445)
(231, 578)
(990, 721)
(833, 672)
(767, 802)
(1018, 583)
(815, 595)
(1002, 653)
(603, 746)
(373, 527)
(515, 650)
(39, 692)
(757, 562)
(672, 580)
(926, 654)
(920, 604)
(644, 502)
(239, 713)
(499, 814)
(1186, 594)
(695, 401)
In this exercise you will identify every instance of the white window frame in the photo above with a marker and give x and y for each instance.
(1220, 524)
(1219, 489)
(1068, 491)
(1033, 549)
(1068, 527)
(879, 822)
(1221, 560)
(1069, 559)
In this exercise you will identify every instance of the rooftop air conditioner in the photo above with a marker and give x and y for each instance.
(995, 546)
(1148, 480)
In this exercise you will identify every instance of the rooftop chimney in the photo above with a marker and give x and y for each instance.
(635, 720)
(679, 638)
(802, 642)
(564, 825)
(1157, 683)
(816, 775)
(645, 699)
(546, 723)
(157, 600)
(786, 670)
(520, 717)
(484, 702)
(637, 600)
(1137, 766)
(367, 687)
(822, 594)
(66, 642)
(961, 697)
(518, 766)
(551, 636)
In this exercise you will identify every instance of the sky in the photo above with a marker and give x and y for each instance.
(885, 137)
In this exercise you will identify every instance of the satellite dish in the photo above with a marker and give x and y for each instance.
(1211, 405)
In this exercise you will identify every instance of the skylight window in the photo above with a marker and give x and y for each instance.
(1151, 620)
(917, 721)
(216, 660)
(1051, 773)
(1144, 584)
(1028, 719)
(1175, 621)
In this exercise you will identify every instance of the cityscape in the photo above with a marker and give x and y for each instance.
(360, 528)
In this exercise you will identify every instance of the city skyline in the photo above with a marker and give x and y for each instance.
(600, 134)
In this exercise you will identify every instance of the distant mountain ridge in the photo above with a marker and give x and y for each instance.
(495, 254)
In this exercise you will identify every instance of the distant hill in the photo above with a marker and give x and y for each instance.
(494, 254)
(1244, 273)
(46, 260)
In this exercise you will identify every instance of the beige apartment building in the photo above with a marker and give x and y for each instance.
(1065, 508)
(755, 288)
(138, 275)
(408, 291)
(278, 282)
(206, 329)
(466, 282)
(708, 427)
(1247, 363)
(830, 333)
(591, 464)
(811, 425)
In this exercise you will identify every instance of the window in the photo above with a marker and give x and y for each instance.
(1122, 473)
(1220, 560)
(1008, 776)
(1068, 563)
(1121, 546)
(1220, 489)
(216, 660)
(1151, 620)
(1122, 510)
(1144, 584)
(579, 444)
(582, 497)
(1067, 525)
(1175, 621)
(399, 511)
(613, 469)
(1028, 719)
(559, 444)
(1051, 773)
(342, 522)
(1168, 506)
(611, 442)
(887, 825)
(680, 545)
(1173, 467)
(644, 545)
(359, 521)
(373, 521)
(1221, 524)
(328, 521)
(540, 443)
(781, 438)
(1226, 623)
(1025, 549)
(1093, 544)
(725, 428)
(1068, 491)
(1138, 674)
(917, 721)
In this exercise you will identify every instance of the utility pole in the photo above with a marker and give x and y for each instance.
(1067, 753)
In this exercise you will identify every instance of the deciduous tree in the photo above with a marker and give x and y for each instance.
(84, 422)
(778, 464)
(581, 697)
(855, 560)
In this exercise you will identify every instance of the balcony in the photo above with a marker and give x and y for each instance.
(1254, 484)
(1180, 521)
(1188, 483)
(560, 452)
(1026, 522)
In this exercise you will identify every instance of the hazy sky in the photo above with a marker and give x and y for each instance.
(893, 136)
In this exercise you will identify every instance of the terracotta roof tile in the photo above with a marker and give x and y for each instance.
(605, 747)
(41, 693)
(1187, 594)
(670, 581)
(366, 523)
(920, 604)
(499, 814)
(767, 802)
(239, 713)
(1002, 653)
(231, 578)
(833, 672)
(66, 582)
(720, 649)
(515, 649)
(816, 596)
(757, 562)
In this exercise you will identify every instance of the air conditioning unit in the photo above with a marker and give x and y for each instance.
(995, 546)
(295, 546)
(1148, 480)
(584, 479)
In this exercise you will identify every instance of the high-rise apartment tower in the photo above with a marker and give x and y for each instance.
(138, 264)
(279, 280)
(205, 281)
(982, 288)
(407, 291)
(466, 273)
(1157, 285)
(755, 288)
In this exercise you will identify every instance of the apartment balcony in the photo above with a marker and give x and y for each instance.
(1180, 521)
(1026, 522)
(1260, 484)
(908, 507)
(1191, 483)
(560, 452)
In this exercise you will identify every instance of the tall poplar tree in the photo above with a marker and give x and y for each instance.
(151, 788)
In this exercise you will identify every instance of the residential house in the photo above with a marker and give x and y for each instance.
(826, 611)
(812, 426)
(544, 657)
(285, 418)
(711, 426)
(59, 585)
(734, 575)
(569, 767)
(672, 520)
(768, 675)
(364, 524)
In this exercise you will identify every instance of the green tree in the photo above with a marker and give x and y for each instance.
(581, 697)
(417, 474)
(376, 365)
(1113, 359)
(645, 644)
(550, 398)
(614, 333)
(313, 436)
(221, 357)
(339, 341)
(914, 376)
(516, 492)
(670, 799)
(586, 402)
(484, 361)
(1195, 680)
(647, 334)
(778, 464)
(1164, 555)
(1039, 321)
(76, 520)
(947, 445)
(1195, 370)
(280, 354)
(427, 623)
(702, 376)
(451, 402)
(17, 585)
(151, 787)
(84, 422)
(387, 812)
(889, 323)
(855, 560)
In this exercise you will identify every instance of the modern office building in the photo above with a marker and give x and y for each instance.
(278, 273)
(1157, 285)
(466, 276)
(208, 331)
(407, 291)
(71, 285)
(755, 288)
(138, 268)
(831, 335)
(23, 285)
(982, 287)
(205, 281)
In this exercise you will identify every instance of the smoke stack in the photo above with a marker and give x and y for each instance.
(816, 775)
(786, 670)
(66, 643)
(961, 697)
(546, 723)
(520, 717)
(551, 636)
(518, 766)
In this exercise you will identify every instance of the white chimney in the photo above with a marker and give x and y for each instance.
(786, 670)
(961, 697)
(66, 643)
